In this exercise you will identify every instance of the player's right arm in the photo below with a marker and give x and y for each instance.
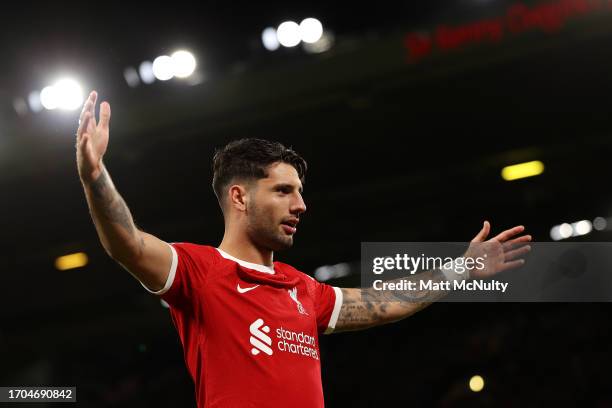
(143, 255)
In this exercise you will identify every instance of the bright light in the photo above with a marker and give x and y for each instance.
(184, 63)
(565, 230)
(146, 72)
(522, 170)
(476, 383)
(69, 93)
(71, 261)
(163, 68)
(325, 43)
(562, 231)
(288, 34)
(600, 223)
(327, 272)
(131, 77)
(49, 98)
(555, 234)
(311, 30)
(582, 227)
(269, 39)
(64, 94)
(34, 101)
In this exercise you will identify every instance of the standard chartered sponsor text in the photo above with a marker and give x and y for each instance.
(296, 343)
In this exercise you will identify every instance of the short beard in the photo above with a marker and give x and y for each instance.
(263, 233)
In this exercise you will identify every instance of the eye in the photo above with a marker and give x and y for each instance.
(284, 189)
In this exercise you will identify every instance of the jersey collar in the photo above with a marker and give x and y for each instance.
(250, 265)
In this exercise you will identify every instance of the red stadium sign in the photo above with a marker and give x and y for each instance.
(519, 18)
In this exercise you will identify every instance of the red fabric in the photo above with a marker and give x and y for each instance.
(217, 326)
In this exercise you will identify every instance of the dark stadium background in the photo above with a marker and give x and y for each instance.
(399, 149)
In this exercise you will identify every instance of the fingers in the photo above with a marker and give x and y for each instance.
(105, 114)
(93, 96)
(83, 123)
(504, 236)
(516, 253)
(91, 124)
(484, 232)
(516, 241)
(87, 113)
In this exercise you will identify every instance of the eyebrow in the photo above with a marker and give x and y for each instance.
(291, 186)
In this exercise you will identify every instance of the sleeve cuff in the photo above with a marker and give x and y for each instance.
(336, 312)
(171, 275)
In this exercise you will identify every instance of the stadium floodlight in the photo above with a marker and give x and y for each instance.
(600, 223)
(555, 233)
(583, 227)
(311, 30)
(183, 63)
(49, 98)
(69, 94)
(562, 231)
(145, 70)
(131, 77)
(34, 101)
(327, 272)
(288, 34)
(163, 68)
(323, 44)
(565, 230)
(65, 94)
(270, 39)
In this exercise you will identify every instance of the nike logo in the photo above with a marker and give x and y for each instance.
(245, 290)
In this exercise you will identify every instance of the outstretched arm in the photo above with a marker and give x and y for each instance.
(143, 255)
(365, 308)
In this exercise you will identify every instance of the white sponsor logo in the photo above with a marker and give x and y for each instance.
(259, 339)
(245, 290)
(296, 343)
(289, 341)
(293, 295)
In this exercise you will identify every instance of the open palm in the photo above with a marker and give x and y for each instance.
(92, 138)
(500, 253)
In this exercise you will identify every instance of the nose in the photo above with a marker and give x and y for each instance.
(299, 206)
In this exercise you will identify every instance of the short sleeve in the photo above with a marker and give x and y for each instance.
(328, 301)
(188, 270)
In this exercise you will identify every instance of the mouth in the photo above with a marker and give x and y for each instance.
(289, 226)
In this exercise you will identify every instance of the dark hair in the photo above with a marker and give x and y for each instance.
(248, 159)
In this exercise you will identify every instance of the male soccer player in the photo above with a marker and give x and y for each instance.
(249, 326)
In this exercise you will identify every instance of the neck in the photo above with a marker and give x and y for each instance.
(245, 249)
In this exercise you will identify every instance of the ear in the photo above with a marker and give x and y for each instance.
(238, 197)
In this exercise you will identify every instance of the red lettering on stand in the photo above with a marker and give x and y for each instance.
(418, 45)
(448, 38)
(549, 17)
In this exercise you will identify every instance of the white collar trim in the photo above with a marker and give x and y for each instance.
(250, 265)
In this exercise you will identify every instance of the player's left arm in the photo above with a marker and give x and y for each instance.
(367, 307)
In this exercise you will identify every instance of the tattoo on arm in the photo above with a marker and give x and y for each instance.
(364, 308)
(110, 206)
(110, 203)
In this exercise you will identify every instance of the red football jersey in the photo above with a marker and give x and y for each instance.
(249, 332)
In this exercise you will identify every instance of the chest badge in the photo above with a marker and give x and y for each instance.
(294, 297)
